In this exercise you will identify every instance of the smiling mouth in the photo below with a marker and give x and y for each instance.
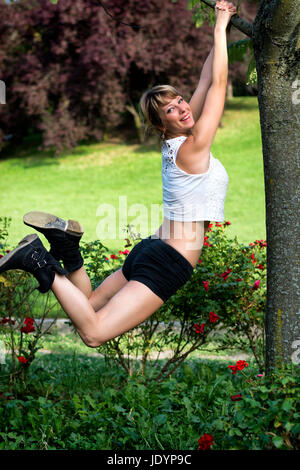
(186, 118)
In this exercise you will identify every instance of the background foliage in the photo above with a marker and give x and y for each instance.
(73, 73)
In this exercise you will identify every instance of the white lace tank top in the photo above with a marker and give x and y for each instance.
(191, 197)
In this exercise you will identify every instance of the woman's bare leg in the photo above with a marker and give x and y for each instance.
(81, 280)
(105, 291)
(129, 307)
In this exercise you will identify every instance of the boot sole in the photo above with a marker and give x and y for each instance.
(45, 221)
(24, 242)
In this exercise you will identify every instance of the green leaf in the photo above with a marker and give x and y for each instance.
(288, 426)
(296, 429)
(237, 50)
(160, 419)
(251, 72)
(90, 401)
(277, 441)
(119, 408)
(287, 404)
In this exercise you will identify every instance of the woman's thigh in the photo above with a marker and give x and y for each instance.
(107, 289)
(129, 307)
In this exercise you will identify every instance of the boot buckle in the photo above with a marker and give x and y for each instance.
(42, 263)
(36, 256)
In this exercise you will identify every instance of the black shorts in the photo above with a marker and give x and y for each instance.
(157, 265)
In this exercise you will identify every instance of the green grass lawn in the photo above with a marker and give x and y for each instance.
(79, 182)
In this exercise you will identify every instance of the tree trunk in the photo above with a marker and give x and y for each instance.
(229, 89)
(277, 54)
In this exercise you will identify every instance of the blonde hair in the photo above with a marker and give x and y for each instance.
(149, 104)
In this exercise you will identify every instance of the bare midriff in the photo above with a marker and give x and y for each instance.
(185, 237)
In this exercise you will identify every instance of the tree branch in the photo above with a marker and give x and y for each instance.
(238, 22)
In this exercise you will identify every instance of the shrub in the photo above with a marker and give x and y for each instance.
(223, 301)
(18, 296)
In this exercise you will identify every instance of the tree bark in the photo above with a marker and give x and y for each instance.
(277, 54)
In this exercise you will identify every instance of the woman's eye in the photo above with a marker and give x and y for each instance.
(169, 110)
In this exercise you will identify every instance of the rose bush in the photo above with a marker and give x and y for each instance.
(224, 301)
(18, 295)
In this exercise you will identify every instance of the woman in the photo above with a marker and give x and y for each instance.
(194, 190)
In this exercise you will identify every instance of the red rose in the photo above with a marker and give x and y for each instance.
(239, 279)
(199, 328)
(238, 366)
(205, 285)
(205, 243)
(260, 266)
(233, 369)
(256, 285)
(213, 317)
(22, 359)
(226, 274)
(227, 223)
(126, 252)
(113, 257)
(241, 364)
(218, 224)
(261, 243)
(200, 261)
(205, 442)
(236, 397)
(7, 320)
(27, 329)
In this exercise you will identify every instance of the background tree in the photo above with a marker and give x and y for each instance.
(274, 38)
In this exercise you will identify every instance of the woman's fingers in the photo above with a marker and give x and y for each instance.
(223, 5)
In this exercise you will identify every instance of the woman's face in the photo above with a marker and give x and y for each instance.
(176, 116)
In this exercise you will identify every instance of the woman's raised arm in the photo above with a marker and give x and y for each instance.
(197, 100)
(206, 126)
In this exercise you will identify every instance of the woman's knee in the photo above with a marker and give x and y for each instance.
(92, 341)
